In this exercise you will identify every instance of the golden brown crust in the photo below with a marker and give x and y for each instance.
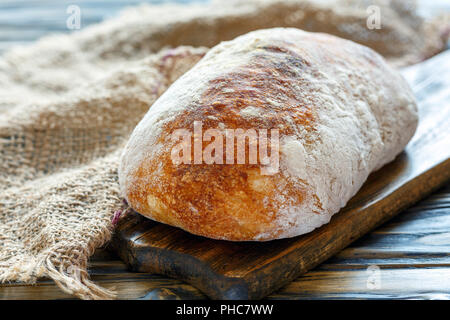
(232, 197)
(290, 79)
(216, 201)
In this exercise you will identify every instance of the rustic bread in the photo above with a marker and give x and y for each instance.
(341, 112)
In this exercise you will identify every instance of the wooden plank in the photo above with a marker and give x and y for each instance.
(410, 283)
(139, 286)
(396, 283)
(230, 270)
(398, 255)
(253, 270)
(110, 273)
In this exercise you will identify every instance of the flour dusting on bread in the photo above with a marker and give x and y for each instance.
(341, 112)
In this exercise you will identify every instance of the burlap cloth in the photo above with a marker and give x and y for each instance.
(69, 102)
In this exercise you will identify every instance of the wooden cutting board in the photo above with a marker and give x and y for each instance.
(252, 270)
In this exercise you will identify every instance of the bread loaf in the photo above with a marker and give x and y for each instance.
(331, 112)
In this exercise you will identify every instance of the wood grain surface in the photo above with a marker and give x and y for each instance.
(411, 252)
(252, 270)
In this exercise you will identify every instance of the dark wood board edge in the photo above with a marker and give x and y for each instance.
(256, 285)
(173, 264)
(385, 209)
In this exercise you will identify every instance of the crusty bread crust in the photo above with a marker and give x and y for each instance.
(341, 112)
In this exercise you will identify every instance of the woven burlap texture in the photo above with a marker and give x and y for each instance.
(69, 102)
